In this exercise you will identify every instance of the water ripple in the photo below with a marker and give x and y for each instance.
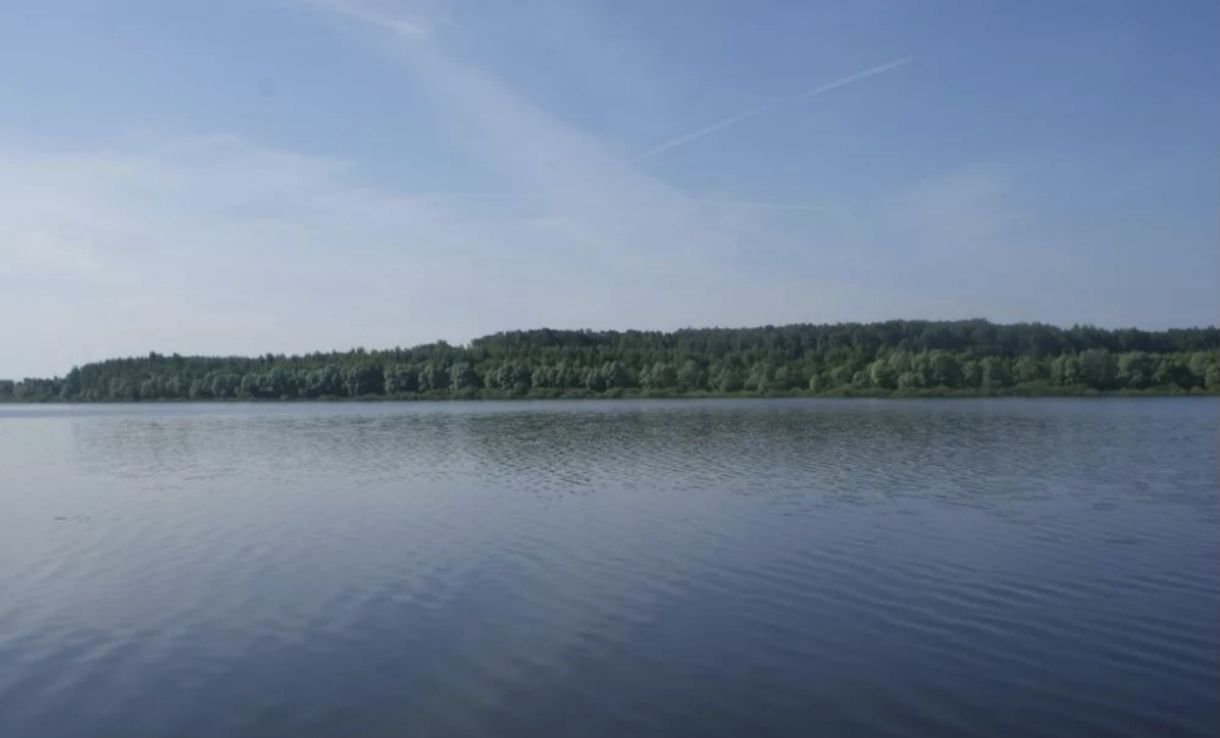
(798, 568)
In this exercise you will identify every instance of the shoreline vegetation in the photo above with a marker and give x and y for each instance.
(969, 358)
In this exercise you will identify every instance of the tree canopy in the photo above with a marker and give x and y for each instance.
(895, 357)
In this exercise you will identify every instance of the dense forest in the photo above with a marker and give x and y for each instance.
(903, 358)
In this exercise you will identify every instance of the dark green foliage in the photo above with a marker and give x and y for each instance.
(363, 379)
(1028, 369)
(994, 373)
(463, 377)
(898, 357)
(400, 379)
(659, 376)
(882, 375)
(840, 376)
(729, 380)
(946, 370)
(1098, 368)
(692, 377)
(1212, 378)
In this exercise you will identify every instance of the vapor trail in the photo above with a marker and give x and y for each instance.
(732, 120)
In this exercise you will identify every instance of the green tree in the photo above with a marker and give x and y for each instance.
(1198, 364)
(1065, 370)
(249, 385)
(595, 380)
(400, 379)
(433, 377)
(878, 356)
(729, 380)
(462, 377)
(946, 370)
(972, 373)
(759, 377)
(909, 381)
(881, 374)
(995, 374)
(1098, 369)
(514, 376)
(691, 376)
(615, 375)
(225, 384)
(842, 375)
(1172, 372)
(276, 383)
(1028, 369)
(1135, 369)
(660, 376)
(361, 380)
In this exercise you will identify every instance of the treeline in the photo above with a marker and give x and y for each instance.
(897, 357)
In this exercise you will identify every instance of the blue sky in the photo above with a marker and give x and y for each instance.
(244, 176)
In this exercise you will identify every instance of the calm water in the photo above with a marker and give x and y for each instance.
(736, 568)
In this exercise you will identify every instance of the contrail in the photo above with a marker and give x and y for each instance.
(732, 120)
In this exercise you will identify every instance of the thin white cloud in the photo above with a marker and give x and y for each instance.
(759, 204)
(732, 120)
(32, 249)
(387, 22)
(217, 246)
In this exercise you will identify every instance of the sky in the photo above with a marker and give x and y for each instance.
(253, 176)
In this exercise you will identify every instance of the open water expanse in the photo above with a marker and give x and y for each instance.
(1002, 567)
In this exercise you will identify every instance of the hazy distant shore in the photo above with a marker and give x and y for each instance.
(969, 358)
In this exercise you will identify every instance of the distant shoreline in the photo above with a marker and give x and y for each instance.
(494, 396)
(903, 358)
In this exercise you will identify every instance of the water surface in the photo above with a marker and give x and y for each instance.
(712, 568)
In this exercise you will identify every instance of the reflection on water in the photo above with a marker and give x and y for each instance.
(1006, 567)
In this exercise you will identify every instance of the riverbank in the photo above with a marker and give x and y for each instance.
(1031, 391)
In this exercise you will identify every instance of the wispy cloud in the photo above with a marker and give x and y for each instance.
(732, 120)
(219, 246)
(387, 22)
(758, 204)
(237, 243)
(221, 232)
